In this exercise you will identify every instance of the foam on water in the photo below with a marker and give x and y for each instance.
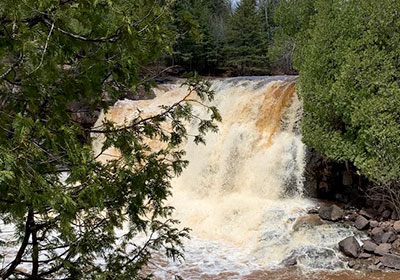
(242, 193)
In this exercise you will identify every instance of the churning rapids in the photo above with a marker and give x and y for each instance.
(242, 193)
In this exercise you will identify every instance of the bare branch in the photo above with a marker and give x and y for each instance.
(45, 49)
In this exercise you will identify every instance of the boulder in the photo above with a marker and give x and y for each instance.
(391, 261)
(364, 256)
(377, 234)
(396, 226)
(331, 213)
(373, 223)
(388, 237)
(361, 223)
(369, 246)
(382, 249)
(350, 247)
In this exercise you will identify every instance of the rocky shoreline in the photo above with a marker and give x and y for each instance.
(380, 249)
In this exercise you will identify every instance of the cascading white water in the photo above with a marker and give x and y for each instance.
(242, 193)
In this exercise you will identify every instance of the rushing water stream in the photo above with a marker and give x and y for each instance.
(242, 193)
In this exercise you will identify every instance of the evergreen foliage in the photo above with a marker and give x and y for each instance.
(201, 50)
(68, 208)
(247, 39)
(348, 60)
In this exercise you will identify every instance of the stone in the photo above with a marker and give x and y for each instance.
(388, 237)
(350, 247)
(377, 234)
(382, 208)
(386, 226)
(351, 264)
(331, 213)
(391, 261)
(396, 246)
(382, 249)
(352, 217)
(373, 223)
(395, 216)
(396, 226)
(364, 256)
(361, 223)
(312, 211)
(369, 246)
(386, 214)
(368, 213)
(290, 261)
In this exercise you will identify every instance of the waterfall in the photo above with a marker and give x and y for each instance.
(242, 193)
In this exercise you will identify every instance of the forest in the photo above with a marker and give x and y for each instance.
(62, 62)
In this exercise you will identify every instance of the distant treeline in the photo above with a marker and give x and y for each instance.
(221, 37)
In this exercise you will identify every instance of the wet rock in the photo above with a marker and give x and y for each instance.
(369, 246)
(312, 211)
(383, 249)
(331, 213)
(373, 223)
(391, 261)
(361, 223)
(351, 264)
(377, 234)
(307, 221)
(388, 237)
(290, 261)
(350, 247)
(364, 256)
(396, 226)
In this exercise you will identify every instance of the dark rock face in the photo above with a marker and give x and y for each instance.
(369, 246)
(391, 261)
(383, 249)
(361, 223)
(377, 234)
(350, 247)
(331, 213)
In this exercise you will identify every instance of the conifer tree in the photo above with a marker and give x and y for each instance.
(68, 209)
(247, 40)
